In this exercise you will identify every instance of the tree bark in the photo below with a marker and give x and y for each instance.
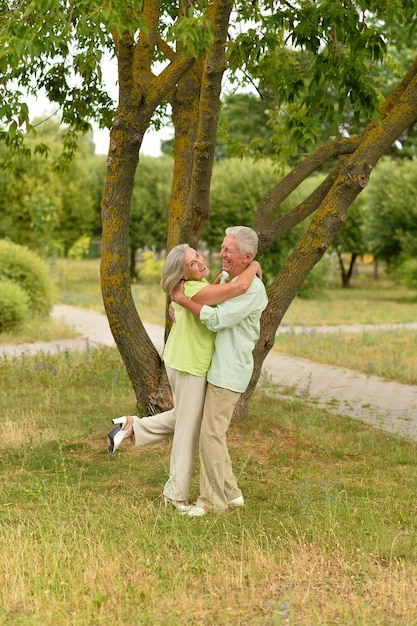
(329, 218)
(139, 95)
(195, 107)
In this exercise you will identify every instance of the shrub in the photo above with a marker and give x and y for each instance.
(406, 273)
(14, 305)
(317, 280)
(80, 248)
(30, 272)
(150, 269)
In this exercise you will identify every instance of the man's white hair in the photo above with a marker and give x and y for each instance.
(248, 238)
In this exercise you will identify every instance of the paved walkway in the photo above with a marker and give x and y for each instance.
(387, 405)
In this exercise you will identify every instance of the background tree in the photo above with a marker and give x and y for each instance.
(244, 126)
(148, 221)
(342, 46)
(351, 240)
(391, 213)
(95, 166)
(401, 54)
(41, 207)
(237, 188)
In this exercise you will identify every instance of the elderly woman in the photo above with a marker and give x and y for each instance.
(187, 356)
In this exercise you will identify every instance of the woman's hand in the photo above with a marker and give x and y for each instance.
(259, 270)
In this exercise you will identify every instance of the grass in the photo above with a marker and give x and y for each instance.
(389, 354)
(366, 302)
(326, 536)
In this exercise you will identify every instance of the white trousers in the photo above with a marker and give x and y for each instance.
(184, 421)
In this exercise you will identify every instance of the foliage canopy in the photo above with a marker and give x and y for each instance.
(324, 62)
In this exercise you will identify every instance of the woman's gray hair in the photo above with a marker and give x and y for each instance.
(248, 239)
(174, 267)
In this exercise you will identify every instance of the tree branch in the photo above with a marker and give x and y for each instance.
(264, 223)
(215, 64)
(170, 76)
(393, 111)
(163, 47)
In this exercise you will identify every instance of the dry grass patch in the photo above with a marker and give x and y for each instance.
(28, 434)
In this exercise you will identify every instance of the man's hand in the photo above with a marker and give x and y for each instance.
(178, 294)
(171, 313)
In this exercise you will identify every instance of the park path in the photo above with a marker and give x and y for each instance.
(390, 406)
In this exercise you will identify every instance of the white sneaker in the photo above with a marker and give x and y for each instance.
(239, 501)
(196, 511)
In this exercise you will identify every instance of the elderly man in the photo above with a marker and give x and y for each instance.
(237, 324)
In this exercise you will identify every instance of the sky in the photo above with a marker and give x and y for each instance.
(151, 146)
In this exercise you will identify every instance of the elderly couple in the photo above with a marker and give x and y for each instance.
(208, 359)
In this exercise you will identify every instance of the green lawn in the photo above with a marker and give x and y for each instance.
(328, 533)
(327, 536)
(391, 355)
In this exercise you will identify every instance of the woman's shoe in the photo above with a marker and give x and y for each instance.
(179, 505)
(123, 430)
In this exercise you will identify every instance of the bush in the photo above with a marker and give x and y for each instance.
(14, 305)
(406, 273)
(26, 269)
(317, 281)
(150, 269)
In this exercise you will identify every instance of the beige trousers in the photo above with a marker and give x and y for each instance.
(217, 482)
(184, 421)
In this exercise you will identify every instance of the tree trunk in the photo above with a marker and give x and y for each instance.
(329, 218)
(341, 265)
(139, 95)
(376, 270)
(126, 136)
(195, 107)
(132, 269)
(348, 276)
(195, 103)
